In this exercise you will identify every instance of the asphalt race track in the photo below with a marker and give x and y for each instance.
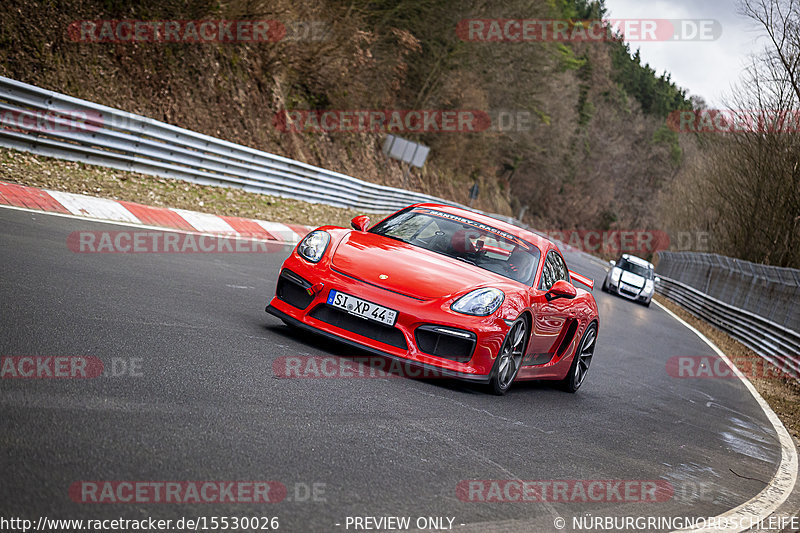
(203, 403)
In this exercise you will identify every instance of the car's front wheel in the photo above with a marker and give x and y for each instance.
(580, 363)
(509, 360)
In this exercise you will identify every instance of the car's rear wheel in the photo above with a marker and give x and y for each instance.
(509, 360)
(582, 360)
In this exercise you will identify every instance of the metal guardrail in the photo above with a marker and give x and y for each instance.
(125, 141)
(773, 342)
(768, 291)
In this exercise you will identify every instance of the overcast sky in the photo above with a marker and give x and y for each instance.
(707, 69)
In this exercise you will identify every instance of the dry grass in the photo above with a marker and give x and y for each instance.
(781, 391)
(55, 174)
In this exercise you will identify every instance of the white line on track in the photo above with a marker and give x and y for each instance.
(752, 512)
(749, 514)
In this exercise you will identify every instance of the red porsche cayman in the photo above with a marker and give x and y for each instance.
(449, 290)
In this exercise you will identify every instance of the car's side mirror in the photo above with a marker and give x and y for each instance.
(612, 263)
(657, 280)
(360, 223)
(561, 289)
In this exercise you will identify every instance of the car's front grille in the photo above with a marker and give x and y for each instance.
(629, 291)
(292, 289)
(449, 343)
(366, 328)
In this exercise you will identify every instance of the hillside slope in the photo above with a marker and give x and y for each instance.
(588, 150)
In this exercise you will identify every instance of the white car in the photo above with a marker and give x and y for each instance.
(633, 278)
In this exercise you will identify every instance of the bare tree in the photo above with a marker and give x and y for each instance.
(745, 188)
(754, 184)
(780, 19)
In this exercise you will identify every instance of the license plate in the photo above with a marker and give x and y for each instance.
(362, 308)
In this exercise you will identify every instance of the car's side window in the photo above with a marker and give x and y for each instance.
(554, 269)
(548, 273)
(561, 268)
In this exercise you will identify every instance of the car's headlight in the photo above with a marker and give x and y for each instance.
(313, 246)
(480, 302)
(648, 286)
(615, 274)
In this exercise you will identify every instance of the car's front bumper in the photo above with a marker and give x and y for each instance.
(426, 369)
(630, 292)
(413, 314)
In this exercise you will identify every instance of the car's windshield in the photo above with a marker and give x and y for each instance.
(641, 270)
(465, 240)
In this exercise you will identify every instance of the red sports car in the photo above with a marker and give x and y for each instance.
(449, 290)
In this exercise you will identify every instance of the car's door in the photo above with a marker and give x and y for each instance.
(553, 320)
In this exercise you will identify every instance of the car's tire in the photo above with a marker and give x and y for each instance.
(647, 303)
(604, 288)
(509, 358)
(581, 361)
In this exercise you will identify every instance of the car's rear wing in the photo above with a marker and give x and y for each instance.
(589, 282)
